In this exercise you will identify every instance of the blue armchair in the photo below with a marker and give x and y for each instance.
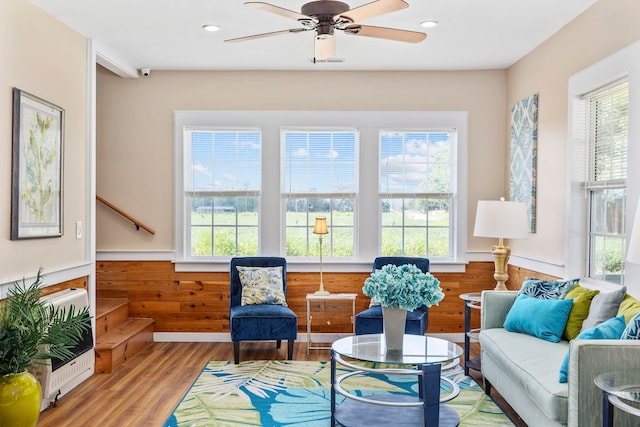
(259, 322)
(370, 320)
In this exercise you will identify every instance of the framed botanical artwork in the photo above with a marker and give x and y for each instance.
(36, 187)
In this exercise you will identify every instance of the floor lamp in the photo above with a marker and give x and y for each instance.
(504, 220)
(320, 229)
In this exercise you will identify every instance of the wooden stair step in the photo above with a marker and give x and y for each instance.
(107, 305)
(122, 342)
(110, 312)
(121, 333)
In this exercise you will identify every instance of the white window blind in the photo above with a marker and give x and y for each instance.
(322, 162)
(222, 161)
(608, 130)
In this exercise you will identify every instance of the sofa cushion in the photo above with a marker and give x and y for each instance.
(579, 311)
(546, 289)
(542, 318)
(612, 329)
(629, 307)
(533, 364)
(603, 307)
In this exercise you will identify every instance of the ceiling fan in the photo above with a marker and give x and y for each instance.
(325, 16)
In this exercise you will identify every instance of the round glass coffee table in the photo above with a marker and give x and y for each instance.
(616, 387)
(421, 356)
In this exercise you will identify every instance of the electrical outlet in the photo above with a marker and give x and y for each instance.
(78, 229)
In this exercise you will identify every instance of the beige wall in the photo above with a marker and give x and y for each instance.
(134, 152)
(42, 56)
(135, 132)
(603, 29)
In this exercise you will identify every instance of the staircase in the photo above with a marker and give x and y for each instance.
(118, 336)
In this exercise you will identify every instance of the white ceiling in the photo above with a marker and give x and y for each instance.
(168, 35)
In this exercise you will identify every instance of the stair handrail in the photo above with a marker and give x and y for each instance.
(135, 222)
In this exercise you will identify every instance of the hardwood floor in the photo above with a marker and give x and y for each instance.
(146, 389)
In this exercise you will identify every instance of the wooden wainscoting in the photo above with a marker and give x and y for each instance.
(78, 283)
(199, 301)
(518, 274)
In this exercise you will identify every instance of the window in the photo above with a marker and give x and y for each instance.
(221, 191)
(607, 133)
(417, 184)
(319, 169)
(252, 183)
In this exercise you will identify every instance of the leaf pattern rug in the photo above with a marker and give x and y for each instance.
(277, 393)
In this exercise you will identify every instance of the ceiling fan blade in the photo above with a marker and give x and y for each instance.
(324, 48)
(277, 10)
(375, 8)
(259, 36)
(385, 33)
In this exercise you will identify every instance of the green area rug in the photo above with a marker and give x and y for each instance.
(292, 393)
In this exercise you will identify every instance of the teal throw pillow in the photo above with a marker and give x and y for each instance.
(546, 289)
(612, 329)
(542, 318)
(632, 331)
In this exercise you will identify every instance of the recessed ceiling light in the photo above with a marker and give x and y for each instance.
(211, 28)
(429, 24)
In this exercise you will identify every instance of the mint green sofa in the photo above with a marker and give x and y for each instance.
(525, 370)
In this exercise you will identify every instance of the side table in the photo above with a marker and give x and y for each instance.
(472, 300)
(318, 304)
(616, 387)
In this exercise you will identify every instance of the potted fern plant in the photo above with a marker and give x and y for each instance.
(32, 331)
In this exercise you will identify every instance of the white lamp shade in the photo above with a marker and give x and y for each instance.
(501, 219)
(633, 250)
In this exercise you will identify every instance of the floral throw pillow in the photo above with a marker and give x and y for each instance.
(546, 289)
(261, 285)
(632, 331)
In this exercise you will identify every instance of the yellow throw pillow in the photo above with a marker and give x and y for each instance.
(579, 311)
(629, 307)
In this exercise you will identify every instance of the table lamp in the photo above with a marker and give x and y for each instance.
(504, 220)
(320, 229)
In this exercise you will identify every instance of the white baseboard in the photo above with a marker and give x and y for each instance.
(302, 337)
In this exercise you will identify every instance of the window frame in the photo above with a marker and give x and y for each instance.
(595, 187)
(190, 194)
(404, 196)
(624, 64)
(367, 231)
(309, 195)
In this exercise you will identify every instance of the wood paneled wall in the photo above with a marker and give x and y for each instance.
(199, 301)
(78, 283)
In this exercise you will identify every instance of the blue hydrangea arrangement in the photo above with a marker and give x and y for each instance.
(404, 286)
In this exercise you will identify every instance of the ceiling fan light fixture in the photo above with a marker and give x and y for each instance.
(211, 28)
(429, 24)
(325, 16)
